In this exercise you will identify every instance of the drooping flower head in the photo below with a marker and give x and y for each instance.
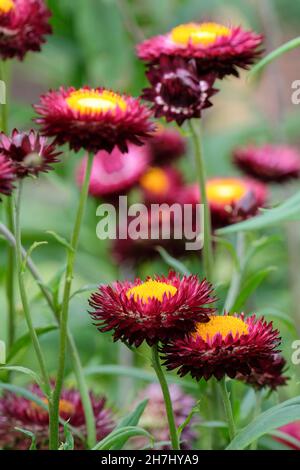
(166, 146)
(30, 154)
(93, 119)
(7, 175)
(16, 411)
(23, 27)
(153, 310)
(271, 377)
(154, 418)
(216, 48)
(178, 92)
(161, 185)
(269, 163)
(116, 173)
(226, 345)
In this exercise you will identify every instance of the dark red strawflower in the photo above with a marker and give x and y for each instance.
(116, 173)
(30, 154)
(271, 377)
(7, 176)
(166, 146)
(161, 185)
(17, 411)
(23, 27)
(154, 310)
(178, 92)
(154, 418)
(93, 119)
(226, 345)
(269, 163)
(216, 48)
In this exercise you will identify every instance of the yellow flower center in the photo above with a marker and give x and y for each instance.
(151, 290)
(155, 180)
(65, 406)
(203, 33)
(224, 325)
(225, 191)
(93, 101)
(6, 6)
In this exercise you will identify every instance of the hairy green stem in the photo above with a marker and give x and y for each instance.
(23, 294)
(166, 394)
(54, 431)
(200, 168)
(228, 409)
(77, 367)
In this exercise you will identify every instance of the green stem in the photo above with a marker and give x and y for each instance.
(228, 409)
(10, 268)
(54, 431)
(77, 367)
(23, 294)
(257, 411)
(237, 275)
(200, 168)
(166, 394)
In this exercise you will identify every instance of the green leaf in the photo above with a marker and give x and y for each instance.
(61, 240)
(30, 435)
(289, 210)
(25, 340)
(138, 374)
(87, 288)
(265, 423)
(24, 393)
(24, 370)
(172, 262)
(287, 47)
(252, 283)
(122, 434)
(69, 443)
(230, 248)
(131, 419)
(286, 319)
(2, 352)
(29, 253)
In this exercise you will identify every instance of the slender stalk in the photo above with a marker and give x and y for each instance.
(54, 431)
(23, 294)
(166, 394)
(10, 268)
(200, 168)
(228, 409)
(77, 367)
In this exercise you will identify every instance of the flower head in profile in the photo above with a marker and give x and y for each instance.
(178, 92)
(227, 345)
(154, 310)
(154, 418)
(166, 146)
(16, 411)
(93, 119)
(7, 175)
(161, 185)
(269, 163)
(271, 377)
(116, 173)
(216, 48)
(23, 25)
(29, 153)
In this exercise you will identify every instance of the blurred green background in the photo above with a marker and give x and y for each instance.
(94, 43)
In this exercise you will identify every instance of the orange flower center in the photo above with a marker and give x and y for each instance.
(155, 180)
(151, 290)
(203, 33)
(224, 325)
(225, 191)
(94, 101)
(6, 6)
(65, 406)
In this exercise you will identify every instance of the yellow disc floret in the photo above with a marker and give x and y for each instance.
(155, 180)
(151, 290)
(224, 325)
(226, 191)
(65, 406)
(204, 33)
(6, 6)
(94, 101)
